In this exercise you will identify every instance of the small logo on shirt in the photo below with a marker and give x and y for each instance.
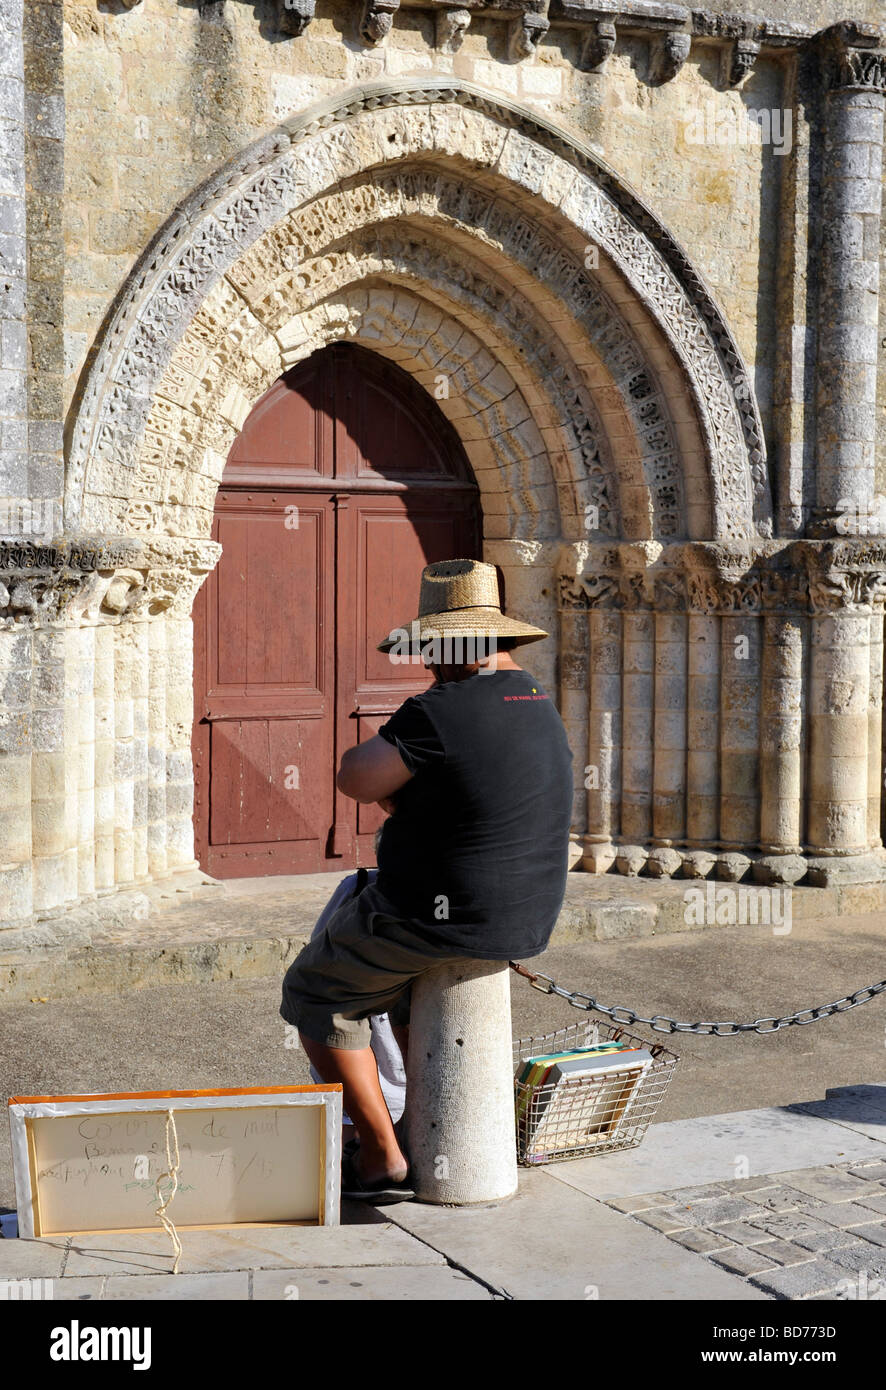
(533, 696)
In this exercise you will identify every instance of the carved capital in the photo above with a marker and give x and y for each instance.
(598, 45)
(378, 20)
(82, 581)
(851, 59)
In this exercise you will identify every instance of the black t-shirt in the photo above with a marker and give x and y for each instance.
(477, 848)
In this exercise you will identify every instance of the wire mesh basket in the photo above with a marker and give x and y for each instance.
(588, 1114)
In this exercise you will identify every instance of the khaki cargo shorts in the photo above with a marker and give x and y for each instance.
(362, 964)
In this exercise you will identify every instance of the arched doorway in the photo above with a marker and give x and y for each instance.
(345, 480)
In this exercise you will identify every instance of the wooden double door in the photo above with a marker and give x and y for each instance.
(345, 481)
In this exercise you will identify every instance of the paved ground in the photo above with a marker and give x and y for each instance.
(666, 1221)
(748, 1107)
(183, 1036)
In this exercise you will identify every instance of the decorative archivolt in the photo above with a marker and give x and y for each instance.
(463, 327)
(559, 186)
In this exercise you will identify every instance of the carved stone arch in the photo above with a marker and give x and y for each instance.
(557, 181)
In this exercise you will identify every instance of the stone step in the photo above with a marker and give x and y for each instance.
(195, 928)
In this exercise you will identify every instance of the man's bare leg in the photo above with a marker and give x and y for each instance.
(380, 1155)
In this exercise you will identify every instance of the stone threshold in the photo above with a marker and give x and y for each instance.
(195, 928)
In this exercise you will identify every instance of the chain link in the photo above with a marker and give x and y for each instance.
(660, 1023)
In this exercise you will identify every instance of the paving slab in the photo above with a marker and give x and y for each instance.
(859, 1108)
(876, 1233)
(744, 1259)
(863, 1255)
(37, 1259)
(877, 1203)
(178, 1288)
(439, 1283)
(679, 1153)
(553, 1242)
(826, 1186)
(284, 1247)
(802, 1281)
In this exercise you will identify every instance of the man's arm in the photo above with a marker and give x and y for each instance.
(372, 770)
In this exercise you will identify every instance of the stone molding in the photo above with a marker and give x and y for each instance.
(811, 577)
(216, 225)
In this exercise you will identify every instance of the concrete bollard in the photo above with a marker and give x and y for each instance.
(459, 1118)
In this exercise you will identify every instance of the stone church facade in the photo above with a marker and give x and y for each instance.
(641, 246)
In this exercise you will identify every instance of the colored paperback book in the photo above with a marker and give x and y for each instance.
(583, 1101)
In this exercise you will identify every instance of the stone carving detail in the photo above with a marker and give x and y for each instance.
(598, 45)
(200, 244)
(91, 581)
(850, 57)
(737, 61)
(452, 25)
(669, 55)
(378, 20)
(526, 34)
(294, 16)
(793, 577)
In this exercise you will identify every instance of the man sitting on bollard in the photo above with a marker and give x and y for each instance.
(477, 774)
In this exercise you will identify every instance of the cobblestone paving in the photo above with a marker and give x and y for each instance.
(813, 1233)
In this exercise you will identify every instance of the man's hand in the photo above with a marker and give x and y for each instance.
(372, 771)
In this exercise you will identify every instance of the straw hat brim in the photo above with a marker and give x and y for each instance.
(465, 622)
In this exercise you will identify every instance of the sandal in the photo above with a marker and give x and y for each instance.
(383, 1192)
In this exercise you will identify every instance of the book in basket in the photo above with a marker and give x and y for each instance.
(584, 1101)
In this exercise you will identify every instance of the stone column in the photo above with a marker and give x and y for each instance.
(637, 709)
(604, 735)
(574, 679)
(141, 676)
(703, 731)
(739, 730)
(157, 748)
(104, 758)
(16, 675)
(48, 772)
(124, 798)
(669, 738)
(781, 746)
(179, 722)
(460, 1130)
(84, 638)
(854, 76)
(839, 684)
(875, 726)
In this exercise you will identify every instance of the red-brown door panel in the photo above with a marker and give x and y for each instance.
(270, 781)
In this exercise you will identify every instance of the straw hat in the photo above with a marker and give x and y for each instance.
(459, 598)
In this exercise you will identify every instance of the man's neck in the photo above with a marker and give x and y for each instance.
(499, 661)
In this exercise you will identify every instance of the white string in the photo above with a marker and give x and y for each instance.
(173, 1162)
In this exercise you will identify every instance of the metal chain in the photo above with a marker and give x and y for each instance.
(661, 1024)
